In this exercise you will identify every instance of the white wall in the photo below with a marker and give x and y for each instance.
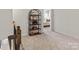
(67, 21)
(5, 23)
(52, 20)
(21, 18)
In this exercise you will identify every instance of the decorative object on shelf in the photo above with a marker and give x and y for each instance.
(34, 22)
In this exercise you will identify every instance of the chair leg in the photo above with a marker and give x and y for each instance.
(9, 40)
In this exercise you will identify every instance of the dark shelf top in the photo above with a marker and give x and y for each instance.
(35, 19)
(36, 29)
(35, 15)
(34, 24)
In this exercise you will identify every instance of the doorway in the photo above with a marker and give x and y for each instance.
(48, 22)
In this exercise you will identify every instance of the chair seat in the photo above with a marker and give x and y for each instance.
(12, 37)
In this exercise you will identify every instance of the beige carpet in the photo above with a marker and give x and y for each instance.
(50, 41)
(46, 41)
(38, 42)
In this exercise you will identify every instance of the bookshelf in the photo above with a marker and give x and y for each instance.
(34, 22)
